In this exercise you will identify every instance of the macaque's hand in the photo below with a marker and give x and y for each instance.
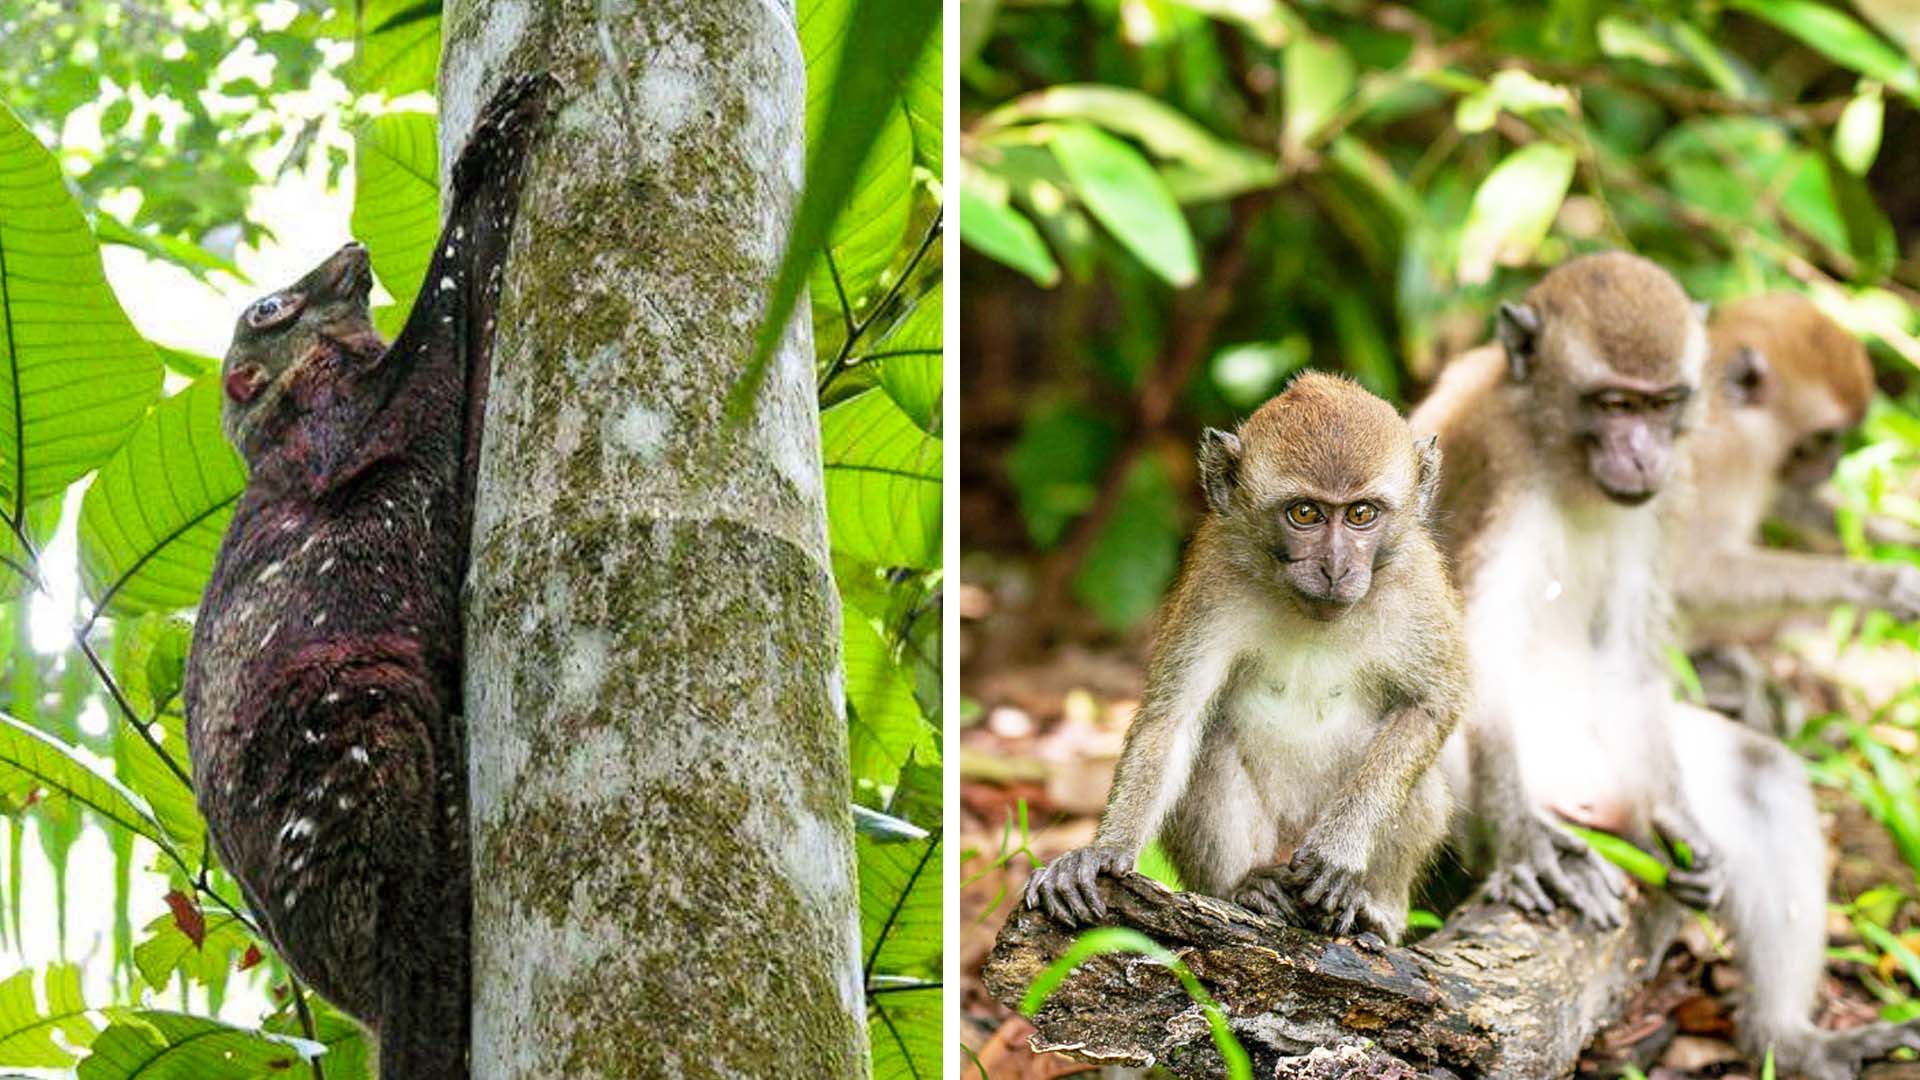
(1330, 889)
(1265, 891)
(1065, 888)
(1542, 866)
(1902, 599)
(1699, 884)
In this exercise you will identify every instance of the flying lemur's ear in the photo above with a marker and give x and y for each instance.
(1519, 331)
(1427, 489)
(1748, 376)
(1219, 458)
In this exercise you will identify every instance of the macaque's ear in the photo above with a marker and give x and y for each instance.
(1427, 488)
(1219, 467)
(1748, 376)
(1519, 332)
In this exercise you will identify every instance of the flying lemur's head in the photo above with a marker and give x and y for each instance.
(1319, 488)
(306, 330)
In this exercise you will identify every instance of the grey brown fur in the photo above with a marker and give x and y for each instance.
(1303, 680)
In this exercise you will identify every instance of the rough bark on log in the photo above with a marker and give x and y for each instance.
(1493, 994)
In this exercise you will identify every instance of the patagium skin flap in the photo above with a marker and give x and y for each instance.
(323, 690)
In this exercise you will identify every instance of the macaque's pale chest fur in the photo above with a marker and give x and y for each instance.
(1297, 713)
(1559, 641)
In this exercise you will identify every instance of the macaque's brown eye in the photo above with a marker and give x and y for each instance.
(1304, 513)
(1616, 404)
(1362, 515)
(270, 311)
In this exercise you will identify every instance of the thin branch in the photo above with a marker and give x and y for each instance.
(306, 1021)
(843, 359)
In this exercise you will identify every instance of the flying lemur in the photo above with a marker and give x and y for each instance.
(323, 689)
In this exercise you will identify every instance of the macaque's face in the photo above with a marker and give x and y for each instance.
(1628, 431)
(318, 319)
(1324, 545)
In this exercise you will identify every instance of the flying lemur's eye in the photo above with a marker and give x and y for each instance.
(1304, 513)
(1362, 515)
(270, 311)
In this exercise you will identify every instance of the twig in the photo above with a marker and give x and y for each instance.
(843, 359)
(306, 1021)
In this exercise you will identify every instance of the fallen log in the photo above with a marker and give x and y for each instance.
(1493, 994)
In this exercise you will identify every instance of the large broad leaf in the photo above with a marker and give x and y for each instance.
(884, 725)
(152, 520)
(29, 756)
(149, 1044)
(1833, 33)
(1319, 79)
(399, 47)
(1200, 166)
(1124, 193)
(883, 483)
(904, 1026)
(206, 955)
(900, 932)
(995, 229)
(1513, 209)
(867, 231)
(396, 200)
(36, 1033)
(921, 98)
(887, 37)
(75, 376)
(909, 356)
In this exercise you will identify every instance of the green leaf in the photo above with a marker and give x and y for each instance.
(883, 483)
(998, 231)
(1202, 167)
(869, 226)
(904, 1026)
(909, 355)
(1834, 34)
(1133, 559)
(1513, 209)
(1856, 136)
(1125, 195)
(921, 98)
(347, 1056)
(149, 1044)
(1268, 20)
(190, 364)
(399, 48)
(1318, 79)
(190, 257)
(396, 199)
(884, 725)
(152, 520)
(900, 932)
(34, 1034)
(887, 36)
(1511, 90)
(167, 949)
(30, 756)
(75, 376)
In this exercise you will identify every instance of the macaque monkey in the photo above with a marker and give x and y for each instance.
(1565, 444)
(1309, 667)
(1786, 384)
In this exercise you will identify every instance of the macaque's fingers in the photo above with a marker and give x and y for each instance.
(1696, 888)
(1526, 887)
(1033, 886)
(1343, 921)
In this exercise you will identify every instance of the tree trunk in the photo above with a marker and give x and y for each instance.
(1492, 995)
(663, 855)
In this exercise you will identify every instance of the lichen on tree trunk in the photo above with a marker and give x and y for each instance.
(663, 858)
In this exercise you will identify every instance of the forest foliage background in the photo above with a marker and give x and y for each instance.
(1169, 206)
(159, 126)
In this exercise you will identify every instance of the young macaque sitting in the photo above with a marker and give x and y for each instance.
(1309, 665)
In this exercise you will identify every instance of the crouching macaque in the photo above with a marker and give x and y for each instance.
(1565, 447)
(1308, 668)
(1785, 385)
